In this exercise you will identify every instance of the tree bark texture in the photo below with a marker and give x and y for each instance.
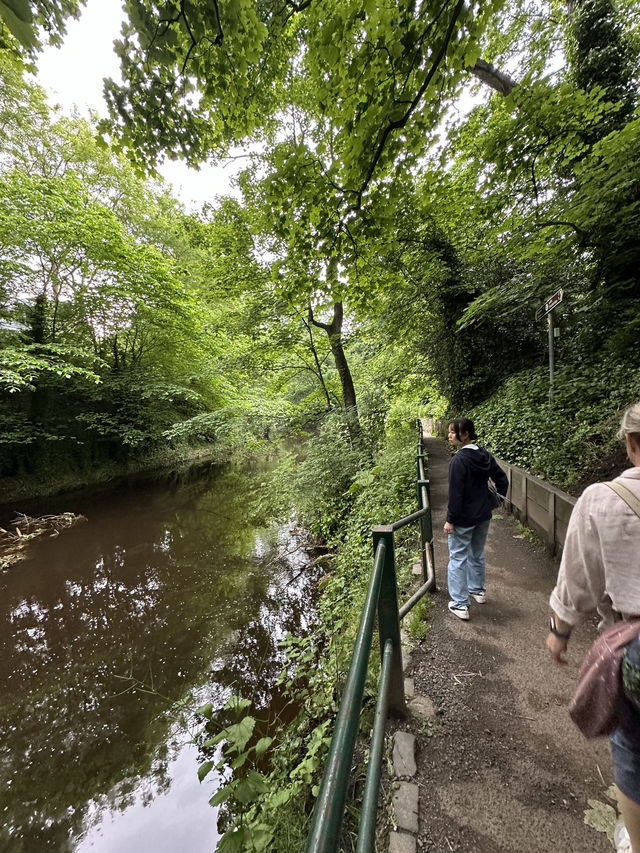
(334, 331)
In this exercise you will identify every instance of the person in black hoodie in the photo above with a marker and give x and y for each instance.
(469, 515)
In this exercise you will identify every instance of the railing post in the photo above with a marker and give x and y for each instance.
(388, 621)
(420, 453)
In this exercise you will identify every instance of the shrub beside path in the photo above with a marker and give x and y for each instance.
(500, 766)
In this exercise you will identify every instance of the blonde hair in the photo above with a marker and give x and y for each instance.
(630, 423)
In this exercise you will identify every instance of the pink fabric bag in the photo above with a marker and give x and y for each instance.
(599, 706)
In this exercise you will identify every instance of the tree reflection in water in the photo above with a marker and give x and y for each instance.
(162, 596)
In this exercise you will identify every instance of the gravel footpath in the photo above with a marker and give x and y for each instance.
(501, 767)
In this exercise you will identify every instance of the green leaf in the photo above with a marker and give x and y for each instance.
(245, 793)
(204, 769)
(221, 796)
(234, 841)
(20, 28)
(212, 741)
(236, 703)
(250, 787)
(20, 8)
(280, 798)
(258, 781)
(240, 761)
(239, 734)
(263, 745)
(261, 837)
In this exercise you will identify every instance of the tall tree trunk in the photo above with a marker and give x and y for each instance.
(334, 331)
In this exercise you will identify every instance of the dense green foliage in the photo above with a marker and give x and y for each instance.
(385, 258)
(129, 329)
(385, 248)
(567, 439)
(27, 23)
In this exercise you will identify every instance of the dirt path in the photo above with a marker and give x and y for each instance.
(503, 768)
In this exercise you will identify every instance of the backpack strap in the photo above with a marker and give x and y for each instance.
(627, 496)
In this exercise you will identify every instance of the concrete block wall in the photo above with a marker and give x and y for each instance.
(539, 505)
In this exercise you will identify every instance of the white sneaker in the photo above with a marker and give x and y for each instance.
(480, 597)
(461, 612)
(621, 838)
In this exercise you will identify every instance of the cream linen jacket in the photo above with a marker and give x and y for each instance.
(600, 567)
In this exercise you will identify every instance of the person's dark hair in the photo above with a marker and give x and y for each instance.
(461, 425)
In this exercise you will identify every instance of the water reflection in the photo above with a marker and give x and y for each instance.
(107, 634)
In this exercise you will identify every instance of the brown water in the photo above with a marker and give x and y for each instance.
(111, 634)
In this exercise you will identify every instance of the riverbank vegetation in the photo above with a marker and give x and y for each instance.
(419, 180)
(270, 784)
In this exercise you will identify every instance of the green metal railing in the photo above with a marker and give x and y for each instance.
(381, 600)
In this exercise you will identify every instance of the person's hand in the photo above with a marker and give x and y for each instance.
(448, 527)
(557, 648)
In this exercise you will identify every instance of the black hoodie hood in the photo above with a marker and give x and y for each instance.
(478, 461)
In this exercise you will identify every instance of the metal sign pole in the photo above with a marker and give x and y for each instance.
(547, 310)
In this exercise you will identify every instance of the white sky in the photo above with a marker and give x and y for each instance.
(73, 75)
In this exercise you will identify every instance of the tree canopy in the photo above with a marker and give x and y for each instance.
(384, 218)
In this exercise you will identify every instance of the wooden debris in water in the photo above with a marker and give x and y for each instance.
(23, 528)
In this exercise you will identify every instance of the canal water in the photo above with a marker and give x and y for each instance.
(111, 635)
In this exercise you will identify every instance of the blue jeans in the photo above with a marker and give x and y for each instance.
(625, 750)
(466, 561)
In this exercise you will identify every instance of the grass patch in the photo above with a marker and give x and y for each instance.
(417, 620)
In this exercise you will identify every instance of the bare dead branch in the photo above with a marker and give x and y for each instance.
(490, 75)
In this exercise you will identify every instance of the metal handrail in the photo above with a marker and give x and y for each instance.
(331, 799)
(415, 516)
(367, 835)
(382, 595)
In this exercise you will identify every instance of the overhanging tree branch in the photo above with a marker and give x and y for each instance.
(400, 123)
(318, 370)
(298, 7)
(334, 332)
(490, 75)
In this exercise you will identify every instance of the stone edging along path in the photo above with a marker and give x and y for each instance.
(488, 759)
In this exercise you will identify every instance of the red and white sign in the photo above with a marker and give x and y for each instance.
(549, 305)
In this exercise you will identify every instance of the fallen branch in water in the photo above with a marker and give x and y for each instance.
(24, 528)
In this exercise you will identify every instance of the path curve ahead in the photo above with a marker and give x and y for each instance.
(503, 768)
